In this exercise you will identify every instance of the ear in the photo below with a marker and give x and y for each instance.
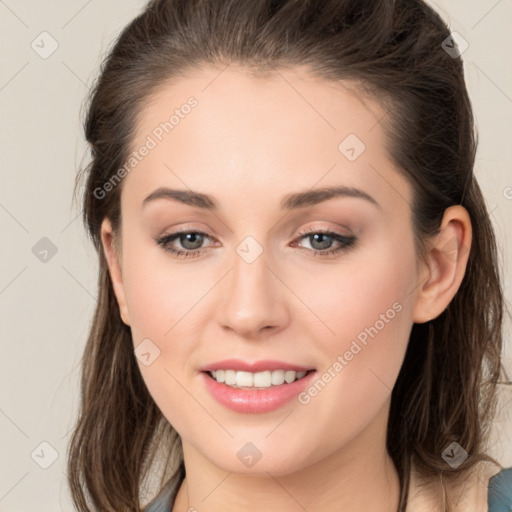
(445, 267)
(113, 261)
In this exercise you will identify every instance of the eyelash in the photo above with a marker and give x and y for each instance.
(347, 242)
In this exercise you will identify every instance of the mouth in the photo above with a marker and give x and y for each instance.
(256, 380)
(262, 391)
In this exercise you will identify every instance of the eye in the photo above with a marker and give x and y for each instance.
(191, 241)
(321, 242)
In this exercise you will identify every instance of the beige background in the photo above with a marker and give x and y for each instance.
(45, 308)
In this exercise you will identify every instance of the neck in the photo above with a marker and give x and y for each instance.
(357, 476)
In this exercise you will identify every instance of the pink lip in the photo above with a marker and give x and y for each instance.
(255, 400)
(257, 366)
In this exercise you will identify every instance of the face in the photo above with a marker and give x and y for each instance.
(324, 282)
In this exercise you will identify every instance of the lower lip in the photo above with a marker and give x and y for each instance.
(255, 400)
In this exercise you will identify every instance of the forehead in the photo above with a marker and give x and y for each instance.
(261, 133)
(234, 99)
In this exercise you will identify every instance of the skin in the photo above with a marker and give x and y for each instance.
(248, 143)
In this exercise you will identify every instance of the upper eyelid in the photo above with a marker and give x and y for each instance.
(301, 235)
(187, 229)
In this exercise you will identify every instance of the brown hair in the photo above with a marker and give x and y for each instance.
(446, 389)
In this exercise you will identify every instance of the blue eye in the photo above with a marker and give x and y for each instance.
(185, 237)
(191, 241)
(325, 240)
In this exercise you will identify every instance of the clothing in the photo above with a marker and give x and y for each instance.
(499, 497)
(499, 494)
(164, 501)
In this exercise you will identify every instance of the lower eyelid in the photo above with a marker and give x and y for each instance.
(343, 241)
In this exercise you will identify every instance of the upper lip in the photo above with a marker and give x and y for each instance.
(253, 367)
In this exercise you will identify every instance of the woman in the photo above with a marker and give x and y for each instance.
(299, 297)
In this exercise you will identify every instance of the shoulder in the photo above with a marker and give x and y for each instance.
(477, 487)
(484, 488)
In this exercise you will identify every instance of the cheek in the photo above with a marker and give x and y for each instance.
(164, 306)
(159, 296)
(158, 293)
(366, 305)
(367, 291)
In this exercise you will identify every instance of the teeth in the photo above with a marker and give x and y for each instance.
(264, 379)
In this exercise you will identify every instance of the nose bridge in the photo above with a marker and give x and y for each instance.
(252, 300)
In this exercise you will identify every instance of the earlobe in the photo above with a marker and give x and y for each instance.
(446, 263)
(112, 258)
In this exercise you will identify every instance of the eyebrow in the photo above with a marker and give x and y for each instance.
(289, 202)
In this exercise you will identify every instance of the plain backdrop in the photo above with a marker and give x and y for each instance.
(46, 306)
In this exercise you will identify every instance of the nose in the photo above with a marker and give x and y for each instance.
(254, 298)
